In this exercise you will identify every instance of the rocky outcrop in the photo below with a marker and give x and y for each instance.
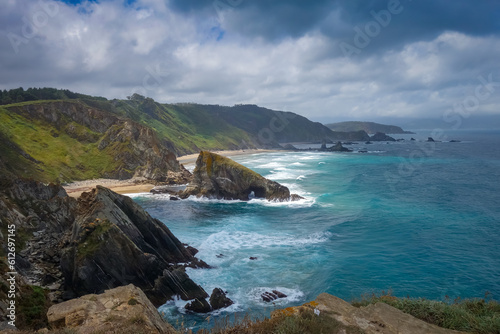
(218, 299)
(380, 136)
(122, 308)
(219, 177)
(379, 318)
(101, 241)
(115, 242)
(272, 296)
(338, 148)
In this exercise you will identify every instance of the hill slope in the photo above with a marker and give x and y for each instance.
(59, 141)
(369, 127)
(59, 136)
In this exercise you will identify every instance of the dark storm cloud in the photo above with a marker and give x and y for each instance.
(422, 59)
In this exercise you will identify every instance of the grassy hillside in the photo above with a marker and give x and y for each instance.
(185, 128)
(369, 127)
(58, 135)
(37, 149)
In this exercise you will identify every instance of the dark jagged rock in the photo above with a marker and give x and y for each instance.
(103, 240)
(430, 139)
(279, 294)
(253, 258)
(219, 300)
(380, 136)
(115, 242)
(412, 139)
(339, 148)
(323, 145)
(368, 143)
(219, 177)
(272, 296)
(198, 306)
(454, 141)
(289, 147)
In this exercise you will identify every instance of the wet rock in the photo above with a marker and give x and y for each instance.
(339, 148)
(253, 258)
(218, 299)
(380, 136)
(272, 296)
(219, 177)
(199, 306)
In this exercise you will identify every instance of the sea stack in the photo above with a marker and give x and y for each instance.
(219, 177)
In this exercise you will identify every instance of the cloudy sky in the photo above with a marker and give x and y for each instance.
(324, 59)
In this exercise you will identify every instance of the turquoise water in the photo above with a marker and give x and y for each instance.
(420, 219)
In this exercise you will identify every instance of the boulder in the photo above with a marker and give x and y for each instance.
(219, 177)
(219, 300)
(124, 307)
(272, 296)
(339, 148)
(380, 136)
(199, 305)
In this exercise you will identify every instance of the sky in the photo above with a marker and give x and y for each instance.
(325, 59)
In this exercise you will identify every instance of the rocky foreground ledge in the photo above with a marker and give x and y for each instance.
(219, 177)
(127, 310)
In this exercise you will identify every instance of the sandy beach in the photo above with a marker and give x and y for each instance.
(140, 185)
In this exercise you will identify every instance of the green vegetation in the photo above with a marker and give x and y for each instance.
(37, 149)
(32, 308)
(93, 234)
(187, 127)
(468, 315)
(303, 322)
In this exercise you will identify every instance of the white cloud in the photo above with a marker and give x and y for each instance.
(112, 50)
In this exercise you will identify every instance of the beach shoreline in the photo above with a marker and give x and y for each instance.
(142, 185)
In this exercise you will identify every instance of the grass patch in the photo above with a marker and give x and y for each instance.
(305, 322)
(479, 315)
(33, 305)
(93, 236)
(63, 155)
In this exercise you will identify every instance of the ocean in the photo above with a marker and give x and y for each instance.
(414, 218)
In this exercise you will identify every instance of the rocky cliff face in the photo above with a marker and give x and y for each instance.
(115, 242)
(380, 136)
(101, 241)
(116, 147)
(219, 177)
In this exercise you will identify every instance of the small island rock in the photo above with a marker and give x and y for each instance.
(219, 177)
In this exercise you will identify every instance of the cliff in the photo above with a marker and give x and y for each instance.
(101, 241)
(68, 140)
(219, 177)
(369, 127)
